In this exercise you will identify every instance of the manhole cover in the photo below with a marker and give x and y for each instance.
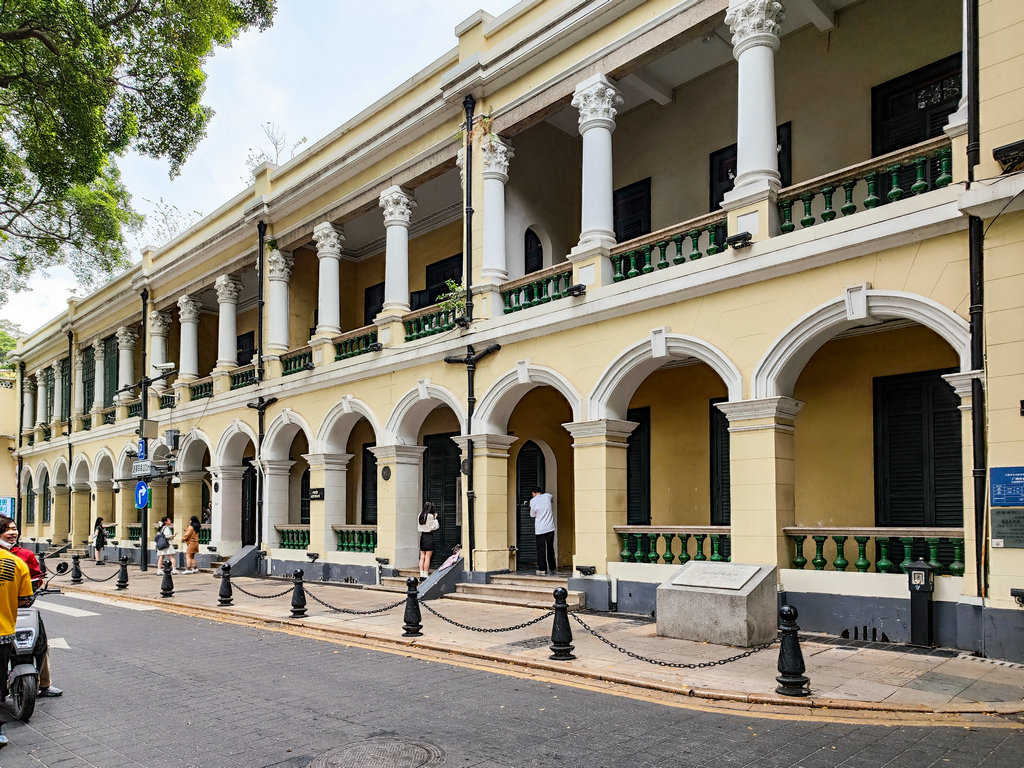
(381, 753)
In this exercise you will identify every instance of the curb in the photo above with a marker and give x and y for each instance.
(711, 694)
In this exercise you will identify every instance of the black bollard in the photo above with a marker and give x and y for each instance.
(167, 583)
(792, 680)
(298, 596)
(561, 632)
(76, 570)
(224, 597)
(413, 621)
(122, 577)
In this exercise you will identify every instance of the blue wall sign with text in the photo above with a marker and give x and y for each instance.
(142, 449)
(1007, 486)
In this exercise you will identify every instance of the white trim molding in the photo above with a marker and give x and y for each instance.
(504, 394)
(774, 408)
(237, 428)
(279, 431)
(344, 416)
(407, 417)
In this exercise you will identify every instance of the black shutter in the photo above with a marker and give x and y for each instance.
(914, 107)
(373, 302)
(88, 378)
(440, 485)
(65, 396)
(722, 165)
(49, 379)
(534, 252)
(369, 501)
(638, 468)
(918, 468)
(529, 475)
(30, 504)
(109, 370)
(632, 210)
(245, 347)
(47, 500)
(438, 273)
(719, 450)
(304, 498)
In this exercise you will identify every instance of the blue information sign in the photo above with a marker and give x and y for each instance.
(141, 495)
(7, 506)
(142, 449)
(1007, 486)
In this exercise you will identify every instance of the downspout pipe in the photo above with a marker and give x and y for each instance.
(70, 407)
(21, 428)
(976, 253)
(261, 232)
(469, 104)
(144, 415)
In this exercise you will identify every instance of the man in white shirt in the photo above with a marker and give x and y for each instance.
(544, 529)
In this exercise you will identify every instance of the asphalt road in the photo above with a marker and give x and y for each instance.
(148, 688)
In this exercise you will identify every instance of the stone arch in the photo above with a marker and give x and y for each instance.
(278, 440)
(26, 477)
(124, 461)
(613, 391)
(103, 467)
(339, 421)
(60, 472)
(503, 395)
(80, 470)
(777, 372)
(232, 443)
(408, 415)
(42, 471)
(191, 450)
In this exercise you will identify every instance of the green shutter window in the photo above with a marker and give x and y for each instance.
(30, 504)
(304, 498)
(65, 396)
(88, 377)
(721, 511)
(48, 376)
(368, 513)
(638, 468)
(47, 501)
(109, 370)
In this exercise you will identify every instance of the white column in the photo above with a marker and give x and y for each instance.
(97, 390)
(496, 156)
(226, 514)
(28, 406)
(188, 353)
(279, 272)
(77, 386)
(397, 204)
(597, 100)
(332, 471)
(755, 26)
(229, 288)
(159, 326)
(126, 339)
(58, 392)
(957, 124)
(328, 239)
(276, 499)
(41, 396)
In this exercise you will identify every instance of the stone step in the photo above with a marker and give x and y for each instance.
(531, 580)
(519, 595)
(575, 600)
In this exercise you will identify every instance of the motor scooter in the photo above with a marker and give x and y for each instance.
(21, 682)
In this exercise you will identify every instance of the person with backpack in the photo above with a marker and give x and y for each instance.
(426, 525)
(162, 540)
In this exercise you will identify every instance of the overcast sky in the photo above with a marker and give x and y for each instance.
(320, 64)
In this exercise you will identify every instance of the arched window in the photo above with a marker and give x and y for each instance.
(30, 504)
(534, 252)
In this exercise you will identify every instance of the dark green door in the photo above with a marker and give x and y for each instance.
(529, 474)
(441, 486)
(369, 504)
(249, 506)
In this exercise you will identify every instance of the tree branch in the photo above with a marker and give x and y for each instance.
(25, 33)
(115, 20)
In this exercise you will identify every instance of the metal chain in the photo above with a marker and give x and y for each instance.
(673, 664)
(245, 591)
(353, 611)
(488, 629)
(90, 578)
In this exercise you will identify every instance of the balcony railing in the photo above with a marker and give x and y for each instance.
(356, 538)
(428, 322)
(167, 401)
(204, 534)
(201, 389)
(110, 531)
(894, 548)
(243, 377)
(135, 409)
(297, 361)
(293, 536)
(669, 246)
(135, 533)
(640, 543)
(109, 415)
(355, 343)
(536, 288)
(921, 167)
(47, 434)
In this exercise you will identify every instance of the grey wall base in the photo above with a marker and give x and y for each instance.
(318, 571)
(598, 590)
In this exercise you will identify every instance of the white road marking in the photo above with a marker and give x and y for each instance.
(58, 642)
(110, 601)
(67, 610)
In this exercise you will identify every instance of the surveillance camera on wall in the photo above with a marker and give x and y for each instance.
(164, 367)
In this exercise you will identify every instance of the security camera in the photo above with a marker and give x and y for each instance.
(164, 367)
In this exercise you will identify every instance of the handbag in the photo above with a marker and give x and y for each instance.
(160, 540)
(434, 525)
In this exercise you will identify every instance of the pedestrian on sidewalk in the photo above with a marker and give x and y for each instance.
(190, 541)
(162, 540)
(544, 529)
(426, 525)
(99, 540)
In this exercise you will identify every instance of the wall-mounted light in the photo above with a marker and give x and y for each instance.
(739, 240)
(586, 570)
(578, 290)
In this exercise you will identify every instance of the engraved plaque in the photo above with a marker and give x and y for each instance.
(1007, 527)
(715, 575)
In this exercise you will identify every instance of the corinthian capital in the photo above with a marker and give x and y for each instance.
(126, 338)
(397, 205)
(754, 22)
(597, 101)
(328, 238)
(188, 309)
(159, 323)
(279, 265)
(229, 288)
(496, 156)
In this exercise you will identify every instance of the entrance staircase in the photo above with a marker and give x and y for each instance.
(519, 589)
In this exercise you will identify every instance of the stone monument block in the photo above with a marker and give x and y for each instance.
(725, 603)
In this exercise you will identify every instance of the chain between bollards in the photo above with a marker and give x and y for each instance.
(167, 583)
(76, 570)
(561, 632)
(298, 595)
(122, 577)
(413, 620)
(225, 596)
(792, 680)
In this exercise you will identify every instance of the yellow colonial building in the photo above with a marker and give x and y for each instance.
(745, 282)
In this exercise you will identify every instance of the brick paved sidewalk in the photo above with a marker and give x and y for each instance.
(897, 679)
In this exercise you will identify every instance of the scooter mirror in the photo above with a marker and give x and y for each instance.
(62, 567)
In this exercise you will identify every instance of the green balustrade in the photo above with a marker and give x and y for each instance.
(818, 561)
(840, 562)
(356, 345)
(668, 557)
(135, 409)
(293, 538)
(110, 531)
(862, 564)
(205, 534)
(201, 390)
(135, 532)
(699, 554)
(647, 258)
(356, 540)
(945, 177)
(642, 547)
(243, 378)
(882, 564)
(429, 324)
(799, 561)
(684, 554)
(956, 568)
(295, 362)
(908, 559)
(933, 554)
(541, 290)
(167, 401)
(884, 553)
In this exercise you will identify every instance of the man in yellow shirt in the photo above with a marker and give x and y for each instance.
(15, 591)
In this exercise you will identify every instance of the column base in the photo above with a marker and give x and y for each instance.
(221, 381)
(272, 368)
(487, 301)
(323, 350)
(752, 208)
(591, 265)
(390, 330)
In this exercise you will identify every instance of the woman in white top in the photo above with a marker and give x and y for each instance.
(163, 536)
(426, 525)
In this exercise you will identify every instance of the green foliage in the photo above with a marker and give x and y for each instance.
(81, 82)
(454, 299)
(7, 343)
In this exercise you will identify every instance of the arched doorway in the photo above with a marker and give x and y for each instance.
(529, 475)
(249, 492)
(442, 481)
(235, 489)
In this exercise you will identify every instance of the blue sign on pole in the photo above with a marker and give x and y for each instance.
(142, 449)
(141, 495)
(1007, 486)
